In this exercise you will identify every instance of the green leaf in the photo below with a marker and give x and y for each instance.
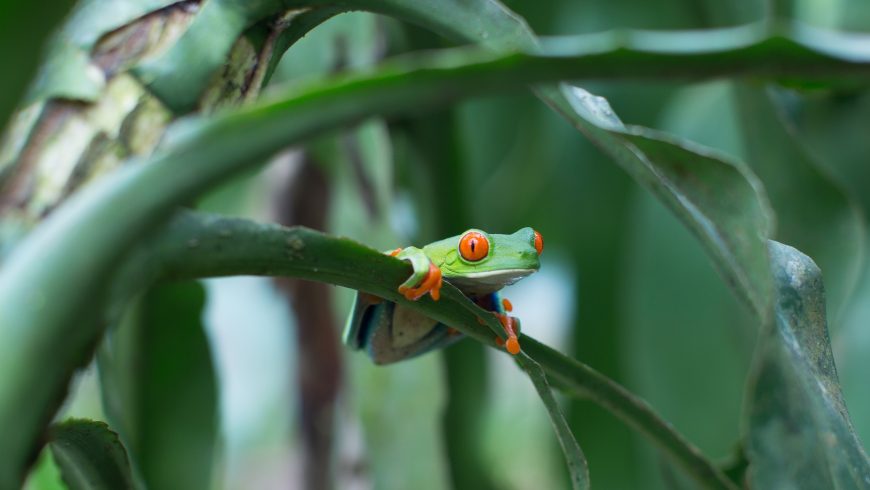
(47, 282)
(717, 198)
(24, 34)
(68, 71)
(215, 150)
(179, 76)
(90, 456)
(688, 178)
(312, 255)
(159, 387)
(307, 254)
(799, 432)
(813, 213)
(92, 19)
(578, 468)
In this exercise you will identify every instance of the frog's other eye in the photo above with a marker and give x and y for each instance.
(539, 242)
(473, 246)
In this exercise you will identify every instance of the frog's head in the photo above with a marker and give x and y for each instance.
(480, 263)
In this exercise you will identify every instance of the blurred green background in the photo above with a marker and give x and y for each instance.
(624, 287)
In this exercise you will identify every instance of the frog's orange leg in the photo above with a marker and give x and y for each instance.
(431, 284)
(512, 344)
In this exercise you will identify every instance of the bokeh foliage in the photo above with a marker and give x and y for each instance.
(677, 289)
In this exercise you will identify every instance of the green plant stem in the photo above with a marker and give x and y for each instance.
(53, 278)
(198, 245)
(51, 281)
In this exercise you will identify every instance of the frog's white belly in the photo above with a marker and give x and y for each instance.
(481, 283)
(409, 326)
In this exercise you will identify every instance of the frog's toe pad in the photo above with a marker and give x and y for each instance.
(430, 284)
(512, 346)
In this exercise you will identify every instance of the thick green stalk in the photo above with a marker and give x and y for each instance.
(52, 279)
(198, 246)
(48, 287)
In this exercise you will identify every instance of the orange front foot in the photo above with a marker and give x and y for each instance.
(512, 344)
(425, 275)
(430, 284)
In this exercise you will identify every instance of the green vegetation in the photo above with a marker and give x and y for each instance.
(704, 270)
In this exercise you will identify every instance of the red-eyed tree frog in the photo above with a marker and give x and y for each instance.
(478, 263)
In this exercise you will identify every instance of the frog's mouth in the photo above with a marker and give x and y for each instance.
(486, 282)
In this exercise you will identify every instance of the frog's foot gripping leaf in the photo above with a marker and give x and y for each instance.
(510, 324)
(425, 278)
(500, 307)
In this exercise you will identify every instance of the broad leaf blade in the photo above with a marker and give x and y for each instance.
(800, 435)
(90, 456)
(136, 199)
(179, 76)
(263, 249)
(719, 200)
(68, 71)
(813, 213)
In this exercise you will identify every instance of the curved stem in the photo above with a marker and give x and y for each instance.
(63, 266)
(199, 245)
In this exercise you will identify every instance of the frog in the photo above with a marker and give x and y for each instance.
(477, 263)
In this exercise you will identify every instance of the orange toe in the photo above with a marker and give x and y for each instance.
(431, 284)
(512, 345)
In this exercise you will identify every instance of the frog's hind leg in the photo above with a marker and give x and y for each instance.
(367, 310)
(500, 308)
(408, 333)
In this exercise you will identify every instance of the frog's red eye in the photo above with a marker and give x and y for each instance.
(539, 243)
(473, 246)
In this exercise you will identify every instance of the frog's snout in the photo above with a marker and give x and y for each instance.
(535, 241)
